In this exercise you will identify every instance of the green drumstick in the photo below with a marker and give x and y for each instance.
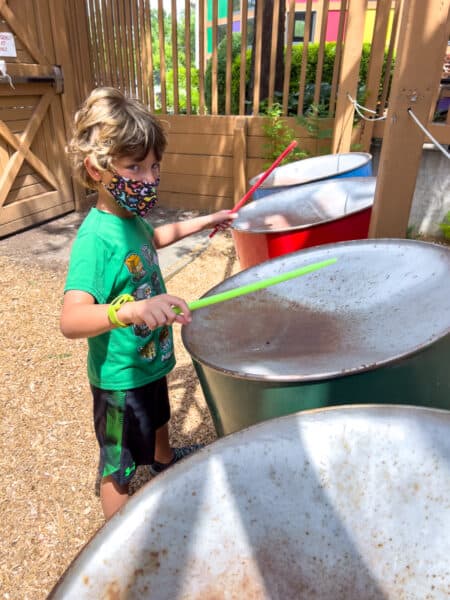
(256, 285)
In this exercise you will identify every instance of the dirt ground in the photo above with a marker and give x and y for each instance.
(48, 454)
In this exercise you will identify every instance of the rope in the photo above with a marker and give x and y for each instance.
(359, 107)
(428, 134)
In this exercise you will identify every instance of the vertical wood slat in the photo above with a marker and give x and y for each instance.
(375, 68)
(148, 54)
(423, 36)
(136, 50)
(348, 79)
(64, 56)
(120, 44)
(162, 56)
(176, 97)
(140, 52)
(306, 36)
(273, 50)
(201, 55)
(111, 46)
(80, 41)
(104, 57)
(131, 75)
(288, 56)
(94, 41)
(187, 43)
(257, 51)
(239, 160)
(337, 57)
(321, 53)
(214, 92)
(229, 58)
(390, 54)
(243, 67)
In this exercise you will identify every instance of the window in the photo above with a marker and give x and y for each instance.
(299, 26)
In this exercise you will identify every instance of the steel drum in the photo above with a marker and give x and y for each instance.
(374, 327)
(336, 504)
(300, 217)
(316, 168)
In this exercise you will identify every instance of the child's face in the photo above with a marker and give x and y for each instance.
(133, 183)
(146, 170)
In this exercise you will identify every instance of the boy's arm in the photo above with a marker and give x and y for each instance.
(81, 317)
(172, 232)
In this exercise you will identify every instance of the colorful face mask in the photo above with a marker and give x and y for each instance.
(138, 197)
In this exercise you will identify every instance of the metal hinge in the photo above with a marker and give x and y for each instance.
(55, 78)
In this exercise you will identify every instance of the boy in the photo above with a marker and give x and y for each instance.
(115, 295)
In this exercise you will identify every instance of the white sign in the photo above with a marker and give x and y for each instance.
(7, 44)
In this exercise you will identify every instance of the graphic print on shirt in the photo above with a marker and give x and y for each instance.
(135, 267)
(141, 293)
(150, 255)
(166, 344)
(148, 351)
(160, 344)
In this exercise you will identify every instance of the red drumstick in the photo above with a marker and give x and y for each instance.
(256, 185)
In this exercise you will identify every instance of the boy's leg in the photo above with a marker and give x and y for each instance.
(112, 495)
(163, 450)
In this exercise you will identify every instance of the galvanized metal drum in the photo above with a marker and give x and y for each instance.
(316, 168)
(374, 327)
(329, 211)
(337, 504)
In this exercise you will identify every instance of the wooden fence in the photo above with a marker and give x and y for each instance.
(175, 62)
(136, 46)
(161, 57)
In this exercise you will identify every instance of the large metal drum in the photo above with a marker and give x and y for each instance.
(335, 210)
(316, 168)
(373, 327)
(338, 504)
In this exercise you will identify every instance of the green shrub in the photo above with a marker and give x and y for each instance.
(279, 136)
(221, 73)
(313, 49)
(182, 101)
(445, 226)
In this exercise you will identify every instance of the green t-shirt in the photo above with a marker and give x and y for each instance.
(112, 256)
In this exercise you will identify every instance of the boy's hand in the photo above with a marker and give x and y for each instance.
(155, 312)
(222, 219)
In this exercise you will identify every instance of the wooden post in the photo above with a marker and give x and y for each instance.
(422, 40)
(69, 98)
(239, 159)
(348, 78)
(375, 67)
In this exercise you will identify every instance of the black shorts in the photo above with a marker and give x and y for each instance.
(125, 424)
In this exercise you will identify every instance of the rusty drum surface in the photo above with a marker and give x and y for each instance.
(347, 503)
(300, 217)
(374, 327)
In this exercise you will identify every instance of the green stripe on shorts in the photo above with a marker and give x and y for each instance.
(113, 434)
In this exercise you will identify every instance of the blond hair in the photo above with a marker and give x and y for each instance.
(109, 126)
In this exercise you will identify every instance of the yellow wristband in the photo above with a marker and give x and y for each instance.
(114, 307)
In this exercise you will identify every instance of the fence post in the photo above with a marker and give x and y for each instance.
(64, 56)
(375, 67)
(348, 79)
(239, 159)
(423, 37)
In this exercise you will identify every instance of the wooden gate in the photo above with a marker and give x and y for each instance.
(35, 182)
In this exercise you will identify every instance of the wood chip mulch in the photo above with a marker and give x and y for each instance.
(49, 455)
